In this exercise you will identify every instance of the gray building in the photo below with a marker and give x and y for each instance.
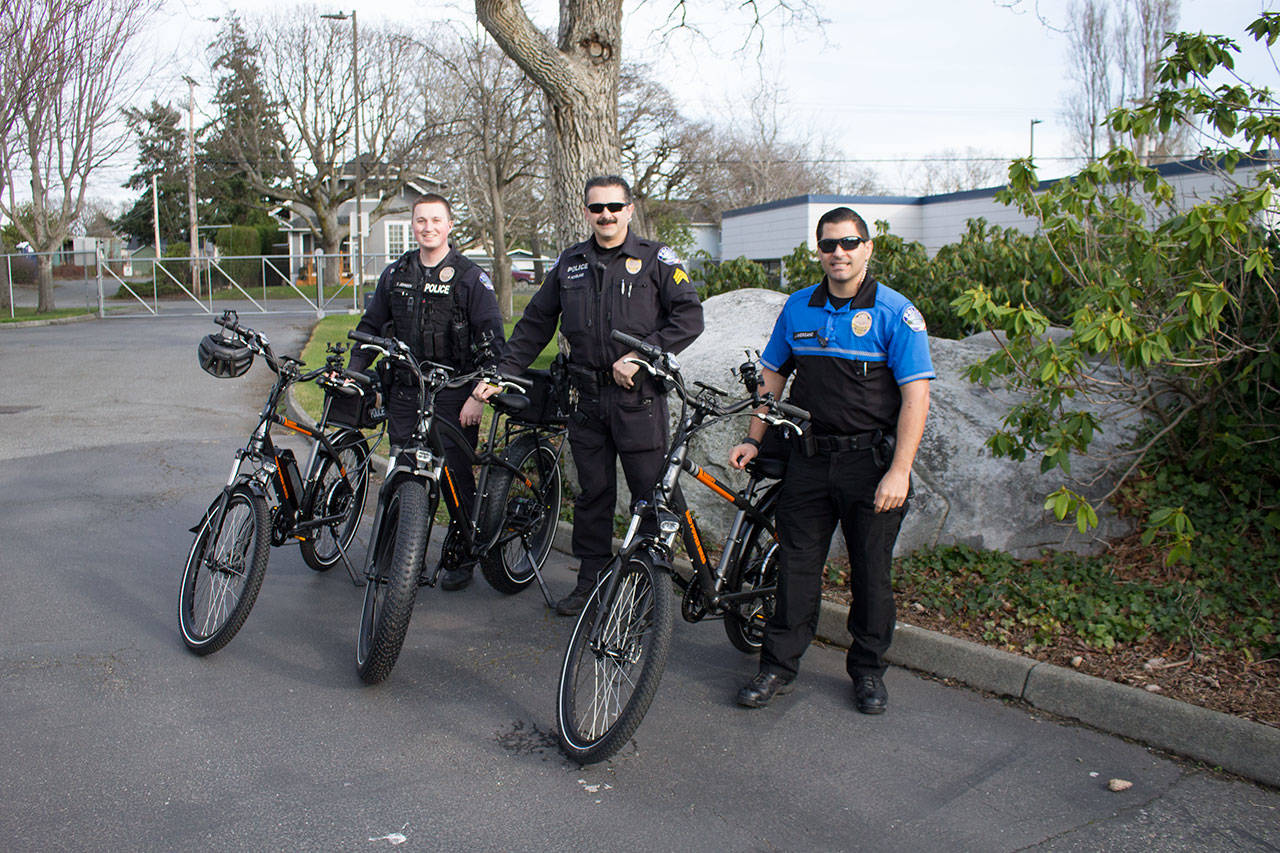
(769, 232)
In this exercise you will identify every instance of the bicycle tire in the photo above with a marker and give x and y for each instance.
(390, 590)
(594, 717)
(337, 494)
(757, 567)
(224, 571)
(521, 511)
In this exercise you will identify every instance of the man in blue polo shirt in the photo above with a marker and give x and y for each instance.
(860, 356)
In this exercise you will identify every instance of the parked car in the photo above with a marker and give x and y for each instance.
(522, 276)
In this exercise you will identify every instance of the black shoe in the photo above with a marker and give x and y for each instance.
(869, 694)
(572, 604)
(456, 578)
(758, 691)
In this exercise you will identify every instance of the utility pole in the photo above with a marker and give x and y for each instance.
(1031, 153)
(357, 232)
(191, 186)
(155, 213)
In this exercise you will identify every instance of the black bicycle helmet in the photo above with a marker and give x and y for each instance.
(224, 357)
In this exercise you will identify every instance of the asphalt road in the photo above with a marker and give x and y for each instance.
(112, 441)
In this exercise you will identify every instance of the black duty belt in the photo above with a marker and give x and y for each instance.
(812, 444)
(588, 379)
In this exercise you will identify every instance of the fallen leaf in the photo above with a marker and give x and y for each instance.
(1118, 785)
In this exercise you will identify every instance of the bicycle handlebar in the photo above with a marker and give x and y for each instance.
(649, 351)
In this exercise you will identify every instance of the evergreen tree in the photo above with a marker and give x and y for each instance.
(162, 154)
(245, 122)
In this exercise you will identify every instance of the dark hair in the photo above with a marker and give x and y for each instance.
(607, 181)
(433, 198)
(843, 214)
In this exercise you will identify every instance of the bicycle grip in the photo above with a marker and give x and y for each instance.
(649, 351)
(372, 340)
(793, 412)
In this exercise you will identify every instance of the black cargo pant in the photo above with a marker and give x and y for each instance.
(609, 424)
(817, 492)
(402, 418)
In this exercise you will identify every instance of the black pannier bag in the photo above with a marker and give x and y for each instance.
(362, 411)
(549, 396)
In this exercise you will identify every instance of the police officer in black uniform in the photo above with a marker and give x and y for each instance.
(613, 280)
(860, 356)
(440, 304)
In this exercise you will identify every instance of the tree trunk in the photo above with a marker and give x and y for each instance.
(45, 303)
(580, 80)
(5, 265)
(502, 283)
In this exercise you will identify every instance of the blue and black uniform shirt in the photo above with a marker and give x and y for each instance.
(850, 361)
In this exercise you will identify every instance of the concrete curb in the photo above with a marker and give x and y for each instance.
(54, 321)
(1236, 745)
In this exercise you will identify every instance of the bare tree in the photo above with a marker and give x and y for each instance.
(952, 170)
(495, 131)
(76, 56)
(1113, 51)
(660, 146)
(311, 163)
(761, 157)
(579, 75)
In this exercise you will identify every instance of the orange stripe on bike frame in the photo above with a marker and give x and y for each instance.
(280, 473)
(294, 426)
(452, 490)
(710, 482)
(693, 532)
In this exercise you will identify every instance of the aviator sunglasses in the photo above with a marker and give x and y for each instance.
(599, 206)
(828, 245)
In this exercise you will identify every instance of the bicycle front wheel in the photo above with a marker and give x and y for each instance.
(342, 483)
(224, 572)
(614, 661)
(757, 568)
(393, 582)
(523, 509)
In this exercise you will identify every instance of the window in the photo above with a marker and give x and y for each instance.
(397, 239)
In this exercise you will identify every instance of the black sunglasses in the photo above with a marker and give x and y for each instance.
(599, 206)
(828, 245)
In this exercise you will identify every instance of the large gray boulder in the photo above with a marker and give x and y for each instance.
(962, 493)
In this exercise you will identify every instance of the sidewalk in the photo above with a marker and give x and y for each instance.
(1238, 746)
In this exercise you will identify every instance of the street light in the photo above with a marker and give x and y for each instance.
(1032, 152)
(357, 273)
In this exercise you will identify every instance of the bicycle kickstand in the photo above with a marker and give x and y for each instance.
(342, 552)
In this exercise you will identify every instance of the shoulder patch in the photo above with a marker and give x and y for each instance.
(680, 276)
(486, 281)
(668, 256)
(913, 318)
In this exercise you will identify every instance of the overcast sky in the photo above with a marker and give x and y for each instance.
(883, 82)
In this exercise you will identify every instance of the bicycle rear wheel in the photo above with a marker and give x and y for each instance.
(342, 483)
(522, 509)
(224, 572)
(757, 568)
(393, 584)
(613, 663)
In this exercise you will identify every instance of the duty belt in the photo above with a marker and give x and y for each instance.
(587, 379)
(811, 445)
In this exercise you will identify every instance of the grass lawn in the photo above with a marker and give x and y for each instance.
(23, 314)
(334, 328)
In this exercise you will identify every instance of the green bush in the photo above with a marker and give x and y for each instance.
(235, 241)
(181, 270)
(732, 275)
